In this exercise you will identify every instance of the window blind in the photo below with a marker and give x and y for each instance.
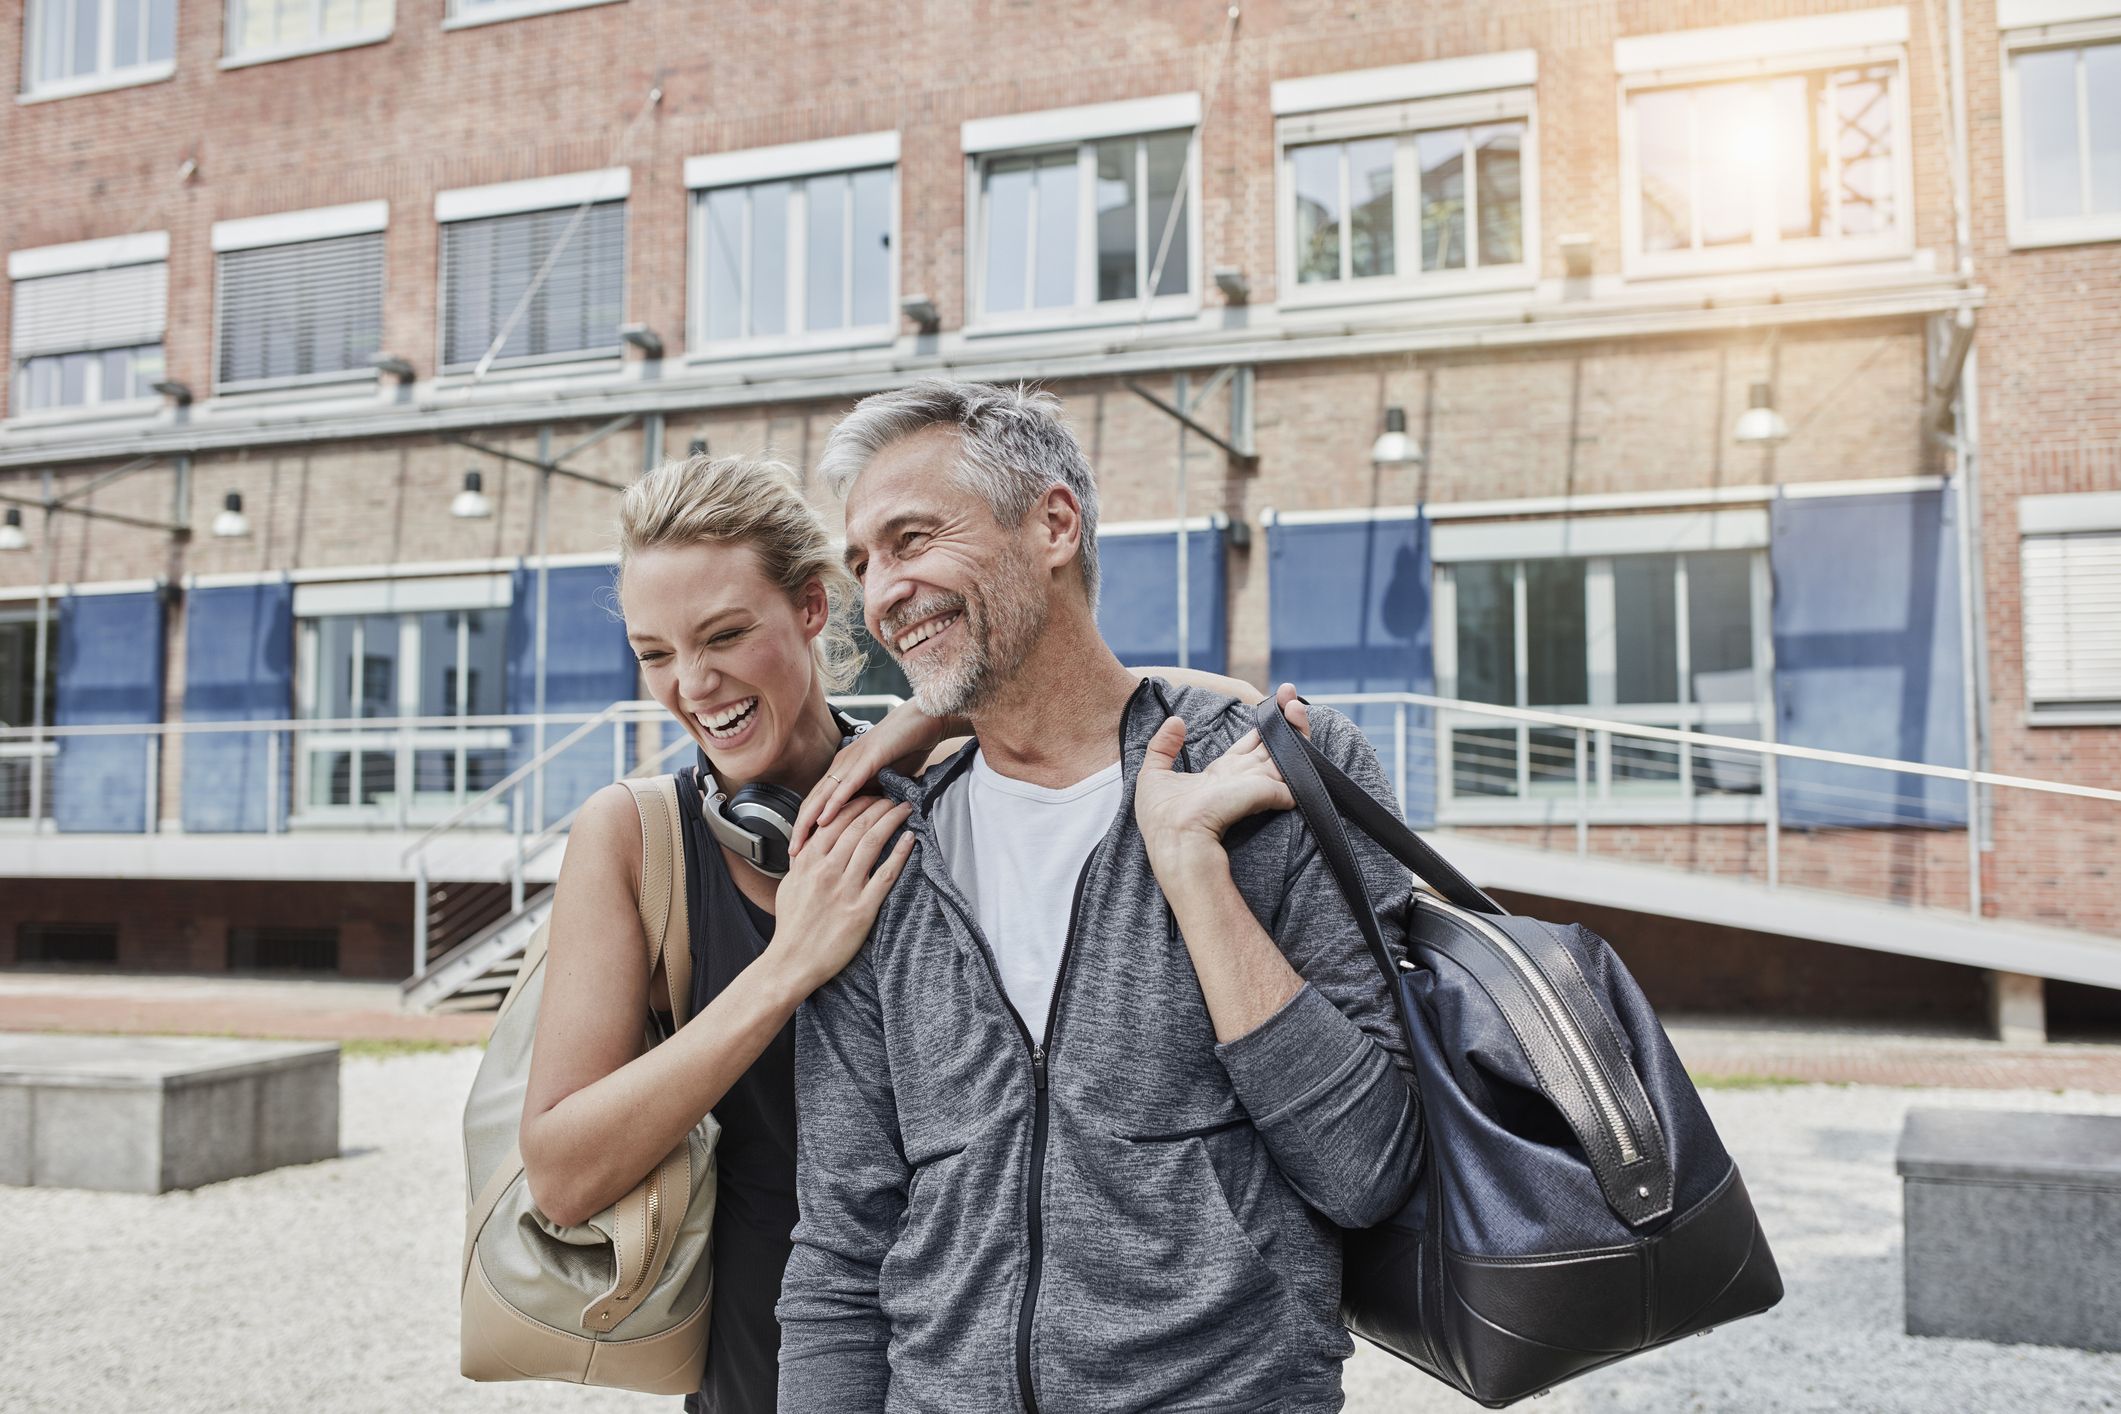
(299, 311)
(2072, 597)
(488, 263)
(111, 308)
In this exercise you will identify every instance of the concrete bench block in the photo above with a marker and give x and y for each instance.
(145, 1114)
(2013, 1226)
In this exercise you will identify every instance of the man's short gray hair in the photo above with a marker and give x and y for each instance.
(1012, 448)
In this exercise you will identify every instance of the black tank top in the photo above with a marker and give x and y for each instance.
(755, 1209)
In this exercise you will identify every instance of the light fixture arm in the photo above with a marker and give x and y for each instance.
(60, 507)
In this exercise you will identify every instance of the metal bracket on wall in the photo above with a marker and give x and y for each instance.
(1946, 342)
(1237, 444)
(557, 466)
(52, 502)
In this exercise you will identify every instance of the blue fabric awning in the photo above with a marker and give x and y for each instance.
(1867, 655)
(1348, 611)
(588, 666)
(1137, 605)
(239, 666)
(109, 672)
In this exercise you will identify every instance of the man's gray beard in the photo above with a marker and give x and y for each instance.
(1000, 628)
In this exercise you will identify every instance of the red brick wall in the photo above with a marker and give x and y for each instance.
(429, 110)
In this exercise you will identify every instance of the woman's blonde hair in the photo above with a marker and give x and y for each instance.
(751, 501)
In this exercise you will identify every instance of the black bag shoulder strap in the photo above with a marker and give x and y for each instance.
(1332, 794)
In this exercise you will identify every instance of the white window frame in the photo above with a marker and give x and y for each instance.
(793, 163)
(295, 228)
(2056, 517)
(1763, 50)
(40, 754)
(457, 18)
(105, 77)
(563, 192)
(986, 140)
(1402, 120)
(403, 599)
(2048, 24)
(142, 248)
(243, 59)
(1596, 542)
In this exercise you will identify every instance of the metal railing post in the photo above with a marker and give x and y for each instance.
(272, 783)
(419, 917)
(1399, 756)
(515, 868)
(36, 777)
(1973, 843)
(1583, 792)
(151, 802)
(1771, 795)
(403, 774)
(618, 751)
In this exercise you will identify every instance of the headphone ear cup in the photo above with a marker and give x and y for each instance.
(767, 810)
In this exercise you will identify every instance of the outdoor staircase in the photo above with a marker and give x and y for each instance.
(477, 973)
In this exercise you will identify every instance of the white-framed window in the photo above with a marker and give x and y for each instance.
(298, 298)
(1668, 637)
(19, 689)
(1783, 142)
(87, 325)
(1070, 212)
(1429, 192)
(466, 13)
(2062, 122)
(260, 30)
(795, 247)
(384, 651)
(541, 261)
(79, 46)
(2069, 556)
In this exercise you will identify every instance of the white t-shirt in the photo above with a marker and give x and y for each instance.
(1031, 842)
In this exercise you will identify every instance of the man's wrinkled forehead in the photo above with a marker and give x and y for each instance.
(906, 479)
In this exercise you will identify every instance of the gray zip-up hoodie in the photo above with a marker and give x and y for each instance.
(1101, 1209)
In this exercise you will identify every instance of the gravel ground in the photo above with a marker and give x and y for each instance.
(332, 1287)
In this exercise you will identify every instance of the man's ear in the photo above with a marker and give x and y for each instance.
(1060, 526)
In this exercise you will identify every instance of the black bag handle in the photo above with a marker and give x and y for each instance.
(1330, 794)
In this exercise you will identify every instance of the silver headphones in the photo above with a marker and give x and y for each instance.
(757, 822)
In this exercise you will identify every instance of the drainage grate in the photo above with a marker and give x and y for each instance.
(66, 942)
(283, 949)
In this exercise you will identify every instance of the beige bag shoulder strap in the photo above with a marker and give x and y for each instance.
(666, 910)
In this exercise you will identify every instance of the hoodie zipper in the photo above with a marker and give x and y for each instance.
(1040, 1052)
(1034, 1198)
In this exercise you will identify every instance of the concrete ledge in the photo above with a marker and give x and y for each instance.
(145, 1114)
(2013, 1225)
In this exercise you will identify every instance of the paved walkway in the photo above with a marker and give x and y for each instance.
(1718, 1049)
(1737, 1053)
(146, 1003)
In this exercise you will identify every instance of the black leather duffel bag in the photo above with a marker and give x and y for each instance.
(1575, 1205)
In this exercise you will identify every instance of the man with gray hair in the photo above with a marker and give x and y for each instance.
(1079, 1127)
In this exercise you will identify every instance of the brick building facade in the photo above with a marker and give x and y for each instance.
(1567, 241)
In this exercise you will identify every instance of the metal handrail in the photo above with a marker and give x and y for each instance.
(509, 782)
(379, 725)
(1685, 737)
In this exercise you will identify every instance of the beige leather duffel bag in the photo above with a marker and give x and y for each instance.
(622, 1299)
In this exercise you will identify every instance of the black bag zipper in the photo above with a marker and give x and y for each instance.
(1578, 1047)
